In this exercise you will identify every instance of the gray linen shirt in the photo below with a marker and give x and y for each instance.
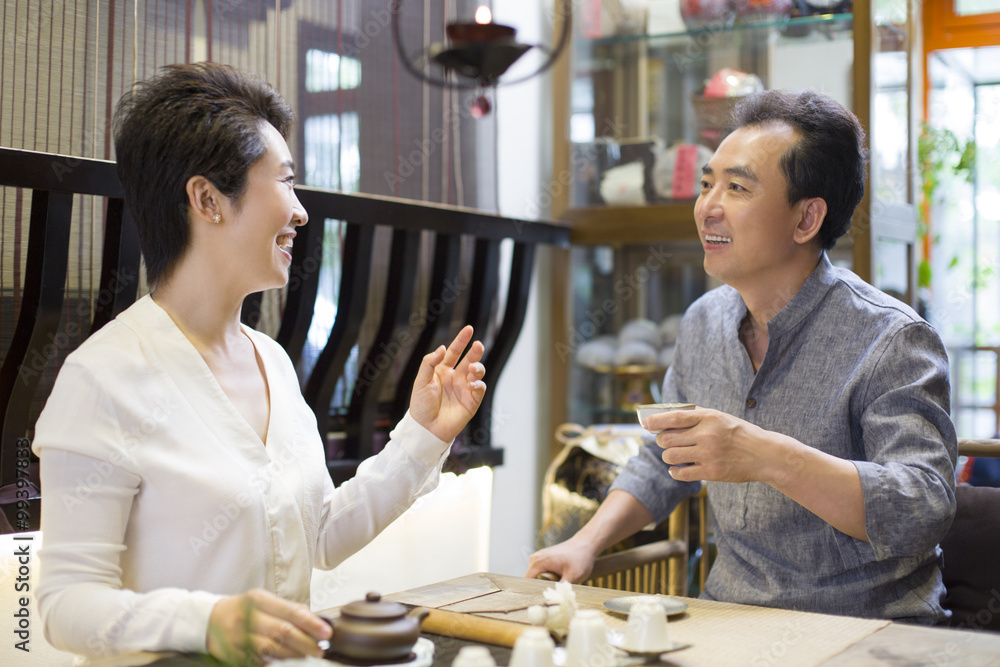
(851, 372)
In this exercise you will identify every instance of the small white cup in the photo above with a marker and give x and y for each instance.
(587, 644)
(533, 648)
(474, 656)
(646, 631)
(648, 409)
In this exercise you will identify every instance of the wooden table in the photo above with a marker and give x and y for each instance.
(724, 634)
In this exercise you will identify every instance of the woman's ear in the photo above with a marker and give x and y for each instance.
(203, 199)
(811, 220)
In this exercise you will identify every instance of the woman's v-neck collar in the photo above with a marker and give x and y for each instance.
(193, 377)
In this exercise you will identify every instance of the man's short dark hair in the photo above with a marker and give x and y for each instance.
(199, 119)
(829, 160)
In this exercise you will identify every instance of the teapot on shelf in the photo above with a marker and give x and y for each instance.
(375, 630)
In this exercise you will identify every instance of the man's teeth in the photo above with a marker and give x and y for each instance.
(285, 241)
(717, 239)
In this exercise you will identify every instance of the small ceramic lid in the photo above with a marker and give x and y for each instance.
(372, 607)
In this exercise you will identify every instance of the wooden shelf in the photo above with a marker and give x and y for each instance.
(615, 225)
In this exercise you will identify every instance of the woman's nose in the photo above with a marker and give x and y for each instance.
(299, 215)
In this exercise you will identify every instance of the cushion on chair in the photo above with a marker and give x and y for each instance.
(971, 553)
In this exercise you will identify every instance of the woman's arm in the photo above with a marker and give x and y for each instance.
(84, 608)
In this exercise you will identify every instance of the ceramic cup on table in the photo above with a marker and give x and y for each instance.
(533, 648)
(474, 656)
(587, 644)
(646, 631)
(648, 409)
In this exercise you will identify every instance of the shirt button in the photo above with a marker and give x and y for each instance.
(751, 403)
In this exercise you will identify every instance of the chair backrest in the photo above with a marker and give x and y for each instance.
(972, 549)
(577, 481)
(463, 283)
(971, 553)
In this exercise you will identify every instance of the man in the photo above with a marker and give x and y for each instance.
(822, 424)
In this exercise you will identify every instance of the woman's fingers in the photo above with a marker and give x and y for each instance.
(287, 640)
(454, 352)
(259, 626)
(293, 613)
(474, 355)
(476, 371)
(425, 374)
(277, 639)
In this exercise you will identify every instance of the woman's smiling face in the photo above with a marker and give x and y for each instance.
(262, 228)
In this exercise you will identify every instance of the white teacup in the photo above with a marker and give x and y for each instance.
(474, 656)
(587, 644)
(646, 631)
(533, 648)
(648, 409)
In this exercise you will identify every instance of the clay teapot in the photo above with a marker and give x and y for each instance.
(371, 629)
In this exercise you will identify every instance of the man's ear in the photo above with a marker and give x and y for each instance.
(204, 199)
(813, 213)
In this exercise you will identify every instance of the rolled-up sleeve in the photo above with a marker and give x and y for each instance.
(910, 446)
(648, 478)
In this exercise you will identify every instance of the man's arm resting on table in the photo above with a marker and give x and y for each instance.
(619, 516)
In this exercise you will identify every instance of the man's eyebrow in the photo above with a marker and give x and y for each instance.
(744, 171)
(289, 163)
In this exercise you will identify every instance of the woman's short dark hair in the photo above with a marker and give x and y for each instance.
(829, 160)
(199, 119)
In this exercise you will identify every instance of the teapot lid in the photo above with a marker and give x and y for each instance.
(372, 607)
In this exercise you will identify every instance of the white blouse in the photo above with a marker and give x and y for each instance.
(158, 498)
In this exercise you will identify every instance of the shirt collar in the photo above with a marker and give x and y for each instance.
(823, 277)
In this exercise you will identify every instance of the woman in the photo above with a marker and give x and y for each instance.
(187, 497)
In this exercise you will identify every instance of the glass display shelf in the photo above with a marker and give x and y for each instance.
(787, 24)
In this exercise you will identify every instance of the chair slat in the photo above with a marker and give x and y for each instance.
(376, 369)
(120, 261)
(522, 263)
(33, 343)
(351, 303)
(303, 286)
(485, 283)
(437, 314)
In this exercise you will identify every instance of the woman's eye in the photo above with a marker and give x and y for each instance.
(290, 181)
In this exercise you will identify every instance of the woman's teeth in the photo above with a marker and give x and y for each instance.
(717, 239)
(284, 241)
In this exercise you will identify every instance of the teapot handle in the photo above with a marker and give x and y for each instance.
(420, 613)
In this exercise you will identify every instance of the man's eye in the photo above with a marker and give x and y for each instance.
(737, 187)
(705, 185)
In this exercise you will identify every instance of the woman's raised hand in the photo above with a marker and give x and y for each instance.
(258, 626)
(448, 390)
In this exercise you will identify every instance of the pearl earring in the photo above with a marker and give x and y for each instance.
(217, 218)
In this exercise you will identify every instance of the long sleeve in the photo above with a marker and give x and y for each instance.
(908, 475)
(83, 606)
(647, 477)
(383, 488)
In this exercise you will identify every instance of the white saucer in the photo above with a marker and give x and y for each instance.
(653, 656)
(423, 657)
(622, 605)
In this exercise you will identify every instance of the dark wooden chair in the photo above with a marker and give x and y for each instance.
(972, 549)
(43, 334)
